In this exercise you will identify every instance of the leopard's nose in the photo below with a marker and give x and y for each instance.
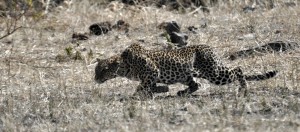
(100, 79)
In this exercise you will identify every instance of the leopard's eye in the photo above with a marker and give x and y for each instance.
(106, 68)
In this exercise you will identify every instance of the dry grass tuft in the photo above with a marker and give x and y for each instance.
(40, 93)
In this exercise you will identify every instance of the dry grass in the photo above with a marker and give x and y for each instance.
(37, 93)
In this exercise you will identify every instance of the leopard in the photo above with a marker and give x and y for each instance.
(181, 65)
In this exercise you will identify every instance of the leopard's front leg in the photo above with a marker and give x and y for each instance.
(148, 86)
(144, 90)
(193, 86)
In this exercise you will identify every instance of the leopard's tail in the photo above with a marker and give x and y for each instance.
(264, 76)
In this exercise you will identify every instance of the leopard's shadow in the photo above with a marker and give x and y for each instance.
(160, 97)
(218, 95)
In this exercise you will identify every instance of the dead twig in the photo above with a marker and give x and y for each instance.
(11, 26)
(11, 32)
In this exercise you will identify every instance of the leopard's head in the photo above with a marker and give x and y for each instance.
(107, 69)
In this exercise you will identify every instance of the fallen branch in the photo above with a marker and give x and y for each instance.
(11, 25)
(10, 32)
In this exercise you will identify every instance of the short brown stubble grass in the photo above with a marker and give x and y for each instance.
(39, 94)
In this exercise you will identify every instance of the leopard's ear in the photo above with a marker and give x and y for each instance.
(97, 60)
(116, 58)
(119, 60)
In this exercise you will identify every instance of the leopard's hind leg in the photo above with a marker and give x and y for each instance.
(242, 80)
(223, 75)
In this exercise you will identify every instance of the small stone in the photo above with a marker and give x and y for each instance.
(248, 9)
(179, 39)
(100, 28)
(193, 29)
(170, 27)
(79, 36)
(290, 4)
(121, 25)
(249, 36)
